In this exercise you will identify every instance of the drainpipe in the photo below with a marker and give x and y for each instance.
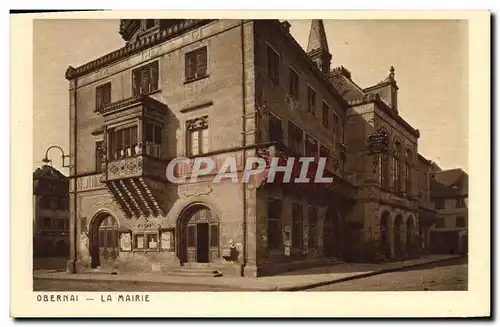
(72, 176)
(243, 143)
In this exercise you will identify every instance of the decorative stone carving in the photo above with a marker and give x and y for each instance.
(190, 192)
(101, 203)
(197, 123)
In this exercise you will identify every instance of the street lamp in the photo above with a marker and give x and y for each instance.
(46, 160)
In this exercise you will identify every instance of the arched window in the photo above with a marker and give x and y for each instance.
(396, 167)
(408, 174)
(383, 166)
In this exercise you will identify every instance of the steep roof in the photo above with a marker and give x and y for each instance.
(340, 78)
(449, 183)
(317, 36)
(48, 172)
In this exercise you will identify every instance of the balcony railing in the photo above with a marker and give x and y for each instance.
(138, 165)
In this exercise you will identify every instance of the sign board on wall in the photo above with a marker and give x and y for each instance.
(125, 242)
(166, 240)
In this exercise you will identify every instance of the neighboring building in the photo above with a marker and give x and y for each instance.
(232, 88)
(427, 215)
(449, 195)
(50, 213)
(384, 221)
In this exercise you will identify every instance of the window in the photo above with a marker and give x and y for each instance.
(153, 140)
(152, 241)
(275, 129)
(274, 237)
(123, 142)
(408, 175)
(63, 204)
(150, 23)
(439, 203)
(459, 203)
(45, 202)
(326, 114)
(196, 64)
(460, 221)
(311, 101)
(408, 178)
(139, 241)
(61, 224)
(102, 95)
(99, 156)
(335, 124)
(197, 136)
(439, 223)
(311, 147)
(273, 65)
(295, 138)
(383, 175)
(54, 203)
(294, 84)
(145, 79)
(46, 223)
(297, 227)
(396, 168)
(313, 227)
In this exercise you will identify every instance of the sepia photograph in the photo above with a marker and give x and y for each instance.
(257, 154)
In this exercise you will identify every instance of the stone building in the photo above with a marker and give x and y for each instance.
(232, 89)
(50, 214)
(381, 162)
(427, 215)
(449, 196)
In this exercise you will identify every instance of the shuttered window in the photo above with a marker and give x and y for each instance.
(145, 79)
(196, 64)
(102, 95)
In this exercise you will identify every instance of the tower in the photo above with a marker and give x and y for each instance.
(317, 46)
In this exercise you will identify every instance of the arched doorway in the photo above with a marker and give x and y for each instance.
(104, 240)
(398, 237)
(332, 244)
(385, 244)
(410, 237)
(198, 235)
(62, 249)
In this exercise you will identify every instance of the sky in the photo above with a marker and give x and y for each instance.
(429, 56)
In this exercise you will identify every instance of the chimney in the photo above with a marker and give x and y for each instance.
(387, 90)
(317, 46)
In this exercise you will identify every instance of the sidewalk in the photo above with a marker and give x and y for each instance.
(290, 281)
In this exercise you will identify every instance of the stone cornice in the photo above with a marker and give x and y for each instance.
(375, 98)
(135, 47)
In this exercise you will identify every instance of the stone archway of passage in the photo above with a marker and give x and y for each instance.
(103, 240)
(198, 235)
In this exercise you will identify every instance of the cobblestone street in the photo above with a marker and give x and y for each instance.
(445, 276)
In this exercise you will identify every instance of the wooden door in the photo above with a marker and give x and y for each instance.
(108, 240)
(191, 242)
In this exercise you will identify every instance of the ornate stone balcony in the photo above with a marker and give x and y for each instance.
(138, 184)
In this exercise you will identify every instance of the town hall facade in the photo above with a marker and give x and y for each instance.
(233, 88)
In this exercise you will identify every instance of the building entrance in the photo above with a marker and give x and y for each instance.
(199, 236)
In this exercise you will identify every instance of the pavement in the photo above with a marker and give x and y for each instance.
(291, 281)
